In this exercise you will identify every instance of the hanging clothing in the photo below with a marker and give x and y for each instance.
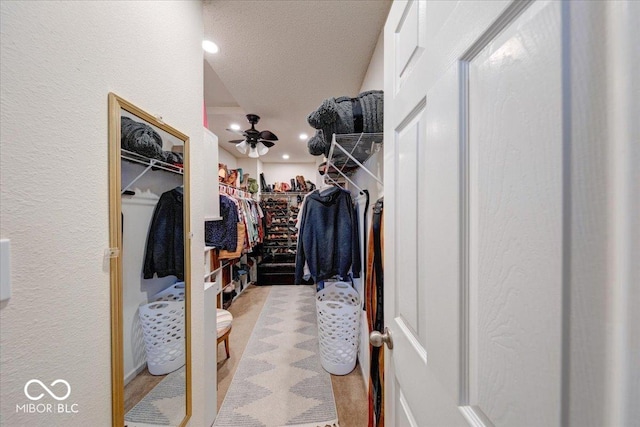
(374, 304)
(328, 237)
(237, 253)
(222, 234)
(165, 243)
(225, 235)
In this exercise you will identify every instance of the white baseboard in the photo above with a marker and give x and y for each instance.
(134, 373)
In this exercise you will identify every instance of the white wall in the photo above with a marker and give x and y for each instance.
(373, 80)
(249, 166)
(227, 158)
(59, 61)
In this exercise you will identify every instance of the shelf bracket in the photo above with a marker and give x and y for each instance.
(363, 167)
(343, 175)
(152, 162)
(353, 141)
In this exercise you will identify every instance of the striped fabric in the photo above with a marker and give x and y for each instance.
(224, 319)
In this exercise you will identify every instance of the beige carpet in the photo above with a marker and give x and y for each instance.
(349, 390)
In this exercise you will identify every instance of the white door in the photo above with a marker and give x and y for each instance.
(474, 213)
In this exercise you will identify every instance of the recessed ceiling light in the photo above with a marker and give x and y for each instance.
(235, 126)
(285, 156)
(304, 136)
(210, 46)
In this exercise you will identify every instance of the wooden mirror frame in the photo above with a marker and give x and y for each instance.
(116, 104)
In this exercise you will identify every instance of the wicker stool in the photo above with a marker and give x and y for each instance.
(224, 320)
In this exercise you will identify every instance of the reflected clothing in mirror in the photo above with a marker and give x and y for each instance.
(165, 243)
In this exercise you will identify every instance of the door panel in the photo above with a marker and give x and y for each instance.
(408, 142)
(404, 417)
(515, 215)
(409, 44)
(473, 162)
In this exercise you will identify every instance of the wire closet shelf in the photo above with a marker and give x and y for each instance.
(149, 163)
(348, 153)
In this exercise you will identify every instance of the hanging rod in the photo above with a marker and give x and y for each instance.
(230, 190)
(284, 193)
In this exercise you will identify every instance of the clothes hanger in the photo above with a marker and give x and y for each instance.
(327, 185)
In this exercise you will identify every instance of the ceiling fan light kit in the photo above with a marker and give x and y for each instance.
(242, 147)
(262, 149)
(258, 142)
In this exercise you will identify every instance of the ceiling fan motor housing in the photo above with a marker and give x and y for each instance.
(253, 137)
(253, 119)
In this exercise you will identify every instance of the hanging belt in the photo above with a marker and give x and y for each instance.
(376, 317)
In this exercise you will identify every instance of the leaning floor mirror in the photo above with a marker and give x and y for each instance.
(150, 297)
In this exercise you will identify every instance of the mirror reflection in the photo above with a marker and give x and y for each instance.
(152, 253)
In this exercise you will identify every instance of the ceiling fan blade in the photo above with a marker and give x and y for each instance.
(268, 135)
(266, 143)
(236, 141)
(239, 132)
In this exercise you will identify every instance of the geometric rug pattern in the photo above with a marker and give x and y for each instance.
(165, 405)
(279, 380)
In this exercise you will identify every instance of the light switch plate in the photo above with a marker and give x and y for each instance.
(5, 269)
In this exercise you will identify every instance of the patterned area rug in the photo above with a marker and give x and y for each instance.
(165, 405)
(279, 380)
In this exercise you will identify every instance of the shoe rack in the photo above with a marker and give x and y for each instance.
(281, 235)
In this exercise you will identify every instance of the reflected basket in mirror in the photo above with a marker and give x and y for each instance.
(163, 330)
(174, 292)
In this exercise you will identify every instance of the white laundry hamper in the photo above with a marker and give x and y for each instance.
(338, 309)
(174, 292)
(163, 330)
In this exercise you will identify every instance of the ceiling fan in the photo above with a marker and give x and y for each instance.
(258, 142)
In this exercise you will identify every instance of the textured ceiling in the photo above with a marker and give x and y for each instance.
(280, 59)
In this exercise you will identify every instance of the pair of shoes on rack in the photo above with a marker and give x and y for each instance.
(302, 184)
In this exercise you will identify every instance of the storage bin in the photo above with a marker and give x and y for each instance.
(174, 292)
(163, 330)
(338, 309)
